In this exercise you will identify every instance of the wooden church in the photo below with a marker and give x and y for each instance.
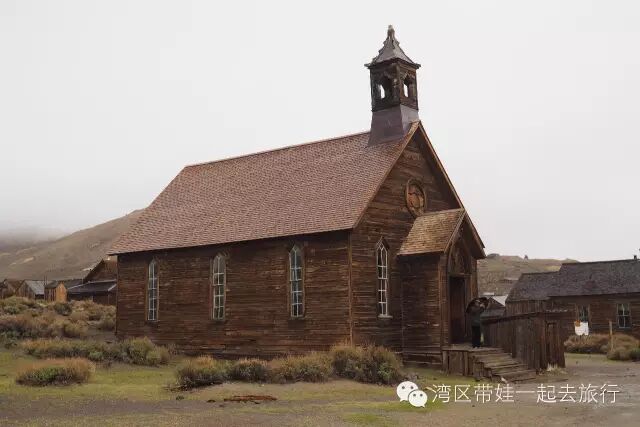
(360, 238)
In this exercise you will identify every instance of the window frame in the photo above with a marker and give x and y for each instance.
(292, 301)
(382, 280)
(156, 282)
(626, 306)
(579, 308)
(215, 288)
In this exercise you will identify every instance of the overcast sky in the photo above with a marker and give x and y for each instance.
(532, 106)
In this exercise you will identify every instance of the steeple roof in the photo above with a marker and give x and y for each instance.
(391, 50)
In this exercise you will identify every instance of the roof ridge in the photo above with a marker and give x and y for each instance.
(277, 149)
(442, 211)
(531, 273)
(601, 262)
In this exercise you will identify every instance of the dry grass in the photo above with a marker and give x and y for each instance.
(369, 364)
(201, 371)
(136, 351)
(56, 372)
(625, 347)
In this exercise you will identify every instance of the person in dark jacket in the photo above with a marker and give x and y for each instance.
(475, 309)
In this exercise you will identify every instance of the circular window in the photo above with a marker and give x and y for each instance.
(416, 200)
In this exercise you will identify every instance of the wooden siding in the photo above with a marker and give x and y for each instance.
(388, 218)
(257, 319)
(602, 309)
(57, 294)
(421, 314)
(533, 338)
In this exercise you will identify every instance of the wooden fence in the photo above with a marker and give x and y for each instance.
(536, 339)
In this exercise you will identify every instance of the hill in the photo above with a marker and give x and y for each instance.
(66, 257)
(498, 273)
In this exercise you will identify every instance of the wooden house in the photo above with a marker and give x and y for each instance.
(360, 239)
(106, 269)
(594, 292)
(9, 287)
(56, 291)
(32, 289)
(100, 291)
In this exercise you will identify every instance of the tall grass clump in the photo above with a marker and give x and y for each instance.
(201, 371)
(370, 364)
(16, 305)
(313, 367)
(56, 372)
(137, 351)
(594, 343)
(625, 347)
(250, 370)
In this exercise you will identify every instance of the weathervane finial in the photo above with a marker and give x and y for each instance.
(391, 33)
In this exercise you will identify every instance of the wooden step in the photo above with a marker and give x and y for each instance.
(518, 376)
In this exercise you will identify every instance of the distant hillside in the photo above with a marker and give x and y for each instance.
(66, 257)
(498, 273)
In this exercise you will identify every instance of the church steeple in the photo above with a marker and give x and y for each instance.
(394, 91)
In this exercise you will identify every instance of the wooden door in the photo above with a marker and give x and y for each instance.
(456, 309)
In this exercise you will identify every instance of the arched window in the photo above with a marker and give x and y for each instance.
(152, 291)
(295, 282)
(382, 263)
(218, 283)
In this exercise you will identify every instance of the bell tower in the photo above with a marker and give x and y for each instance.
(394, 92)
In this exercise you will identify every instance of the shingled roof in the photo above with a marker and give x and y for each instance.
(311, 188)
(432, 232)
(391, 50)
(575, 279)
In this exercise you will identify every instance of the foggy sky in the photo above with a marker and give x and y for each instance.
(531, 106)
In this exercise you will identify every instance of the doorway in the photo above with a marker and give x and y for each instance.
(457, 298)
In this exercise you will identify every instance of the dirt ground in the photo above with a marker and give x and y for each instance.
(136, 396)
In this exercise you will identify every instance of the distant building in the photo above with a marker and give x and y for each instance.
(496, 307)
(9, 287)
(56, 291)
(594, 292)
(33, 289)
(101, 292)
(99, 285)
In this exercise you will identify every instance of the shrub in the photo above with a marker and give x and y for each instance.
(586, 344)
(251, 370)
(56, 371)
(95, 356)
(26, 326)
(16, 305)
(139, 351)
(107, 323)
(347, 360)
(201, 371)
(312, 367)
(635, 354)
(619, 353)
(623, 347)
(371, 364)
(74, 330)
(62, 308)
(79, 316)
(93, 310)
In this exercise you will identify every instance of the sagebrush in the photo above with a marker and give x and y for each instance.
(56, 372)
(371, 364)
(137, 351)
